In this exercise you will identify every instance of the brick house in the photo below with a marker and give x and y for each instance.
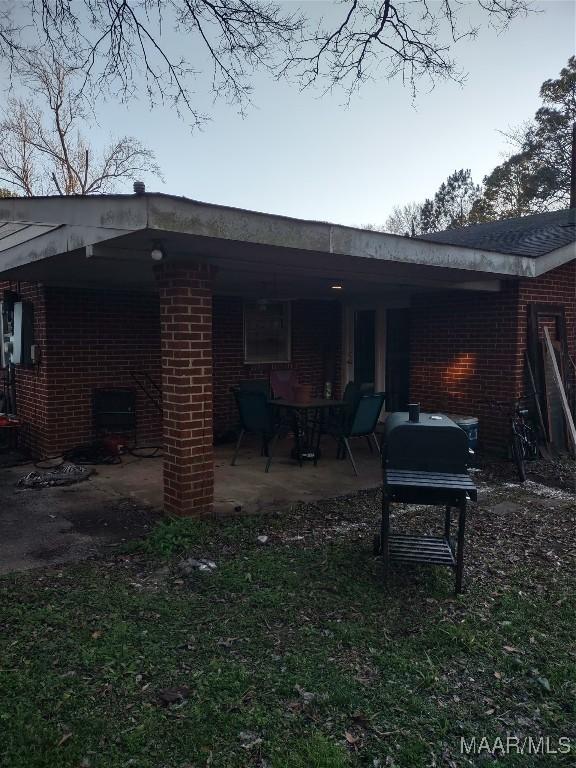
(198, 297)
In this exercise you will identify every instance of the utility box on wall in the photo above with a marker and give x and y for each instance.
(16, 332)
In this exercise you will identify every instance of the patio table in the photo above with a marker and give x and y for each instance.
(308, 422)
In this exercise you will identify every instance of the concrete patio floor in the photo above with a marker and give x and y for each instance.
(246, 487)
(121, 501)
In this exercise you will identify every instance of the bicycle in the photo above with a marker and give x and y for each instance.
(523, 442)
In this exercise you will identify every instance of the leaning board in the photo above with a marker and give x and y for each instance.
(556, 398)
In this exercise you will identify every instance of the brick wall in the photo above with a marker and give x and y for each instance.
(555, 287)
(85, 339)
(463, 350)
(94, 340)
(315, 351)
(32, 381)
(468, 347)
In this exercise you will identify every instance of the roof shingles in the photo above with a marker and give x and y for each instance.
(531, 236)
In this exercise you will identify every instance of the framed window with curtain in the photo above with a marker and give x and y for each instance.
(267, 331)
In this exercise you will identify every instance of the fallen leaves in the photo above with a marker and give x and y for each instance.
(250, 739)
(351, 739)
(66, 737)
(544, 683)
(168, 697)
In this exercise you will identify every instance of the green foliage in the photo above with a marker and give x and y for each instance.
(536, 178)
(427, 217)
(533, 179)
(312, 751)
(454, 199)
(451, 204)
(176, 536)
(172, 537)
(449, 208)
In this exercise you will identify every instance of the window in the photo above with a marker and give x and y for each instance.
(267, 331)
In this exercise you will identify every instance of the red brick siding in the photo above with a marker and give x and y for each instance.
(32, 382)
(463, 350)
(94, 340)
(469, 347)
(186, 332)
(315, 351)
(555, 287)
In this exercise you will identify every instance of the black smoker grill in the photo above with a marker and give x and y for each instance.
(425, 462)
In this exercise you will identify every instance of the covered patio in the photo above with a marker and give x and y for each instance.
(246, 488)
(161, 285)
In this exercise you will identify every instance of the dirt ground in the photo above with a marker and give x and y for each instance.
(61, 524)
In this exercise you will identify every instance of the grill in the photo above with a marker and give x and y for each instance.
(425, 461)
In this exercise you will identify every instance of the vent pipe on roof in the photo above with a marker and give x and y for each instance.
(139, 188)
(573, 170)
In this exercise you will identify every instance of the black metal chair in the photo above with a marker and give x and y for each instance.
(362, 423)
(339, 419)
(255, 385)
(256, 417)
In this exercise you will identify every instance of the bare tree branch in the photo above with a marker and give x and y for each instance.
(120, 46)
(43, 150)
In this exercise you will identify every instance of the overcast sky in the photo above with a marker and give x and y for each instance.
(297, 154)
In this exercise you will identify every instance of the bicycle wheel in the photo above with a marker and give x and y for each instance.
(518, 456)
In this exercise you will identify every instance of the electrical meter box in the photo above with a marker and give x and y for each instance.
(16, 332)
(6, 316)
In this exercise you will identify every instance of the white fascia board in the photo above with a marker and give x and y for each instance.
(554, 259)
(186, 217)
(408, 250)
(125, 212)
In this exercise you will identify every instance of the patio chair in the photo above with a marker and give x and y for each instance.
(339, 418)
(255, 385)
(282, 383)
(351, 395)
(362, 424)
(257, 418)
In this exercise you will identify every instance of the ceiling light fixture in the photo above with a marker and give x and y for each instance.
(157, 254)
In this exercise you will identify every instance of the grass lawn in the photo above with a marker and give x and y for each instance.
(290, 654)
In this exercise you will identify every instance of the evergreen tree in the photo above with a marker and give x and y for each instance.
(452, 203)
(454, 199)
(428, 222)
(536, 178)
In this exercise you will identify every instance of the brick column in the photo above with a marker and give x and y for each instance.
(186, 338)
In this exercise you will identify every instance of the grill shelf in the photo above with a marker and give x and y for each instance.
(425, 463)
(447, 481)
(420, 549)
